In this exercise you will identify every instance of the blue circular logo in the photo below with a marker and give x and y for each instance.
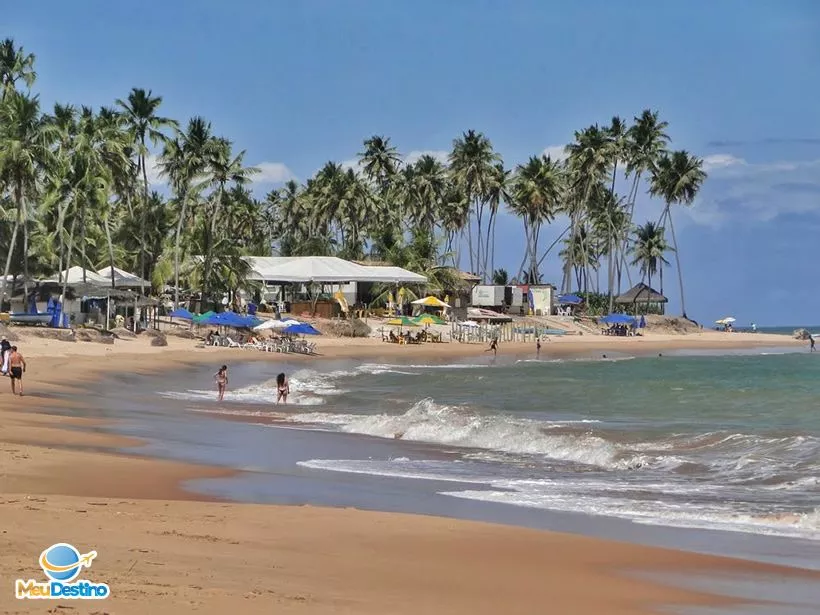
(61, 562)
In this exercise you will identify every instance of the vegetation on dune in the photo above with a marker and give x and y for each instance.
(76, 189)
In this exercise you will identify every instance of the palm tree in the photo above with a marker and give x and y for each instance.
(472, 165)
(380, 161)
(677, 179)
(223, 168)
(588, 165)
(646, 143)
(25, 138)
(15, 65)
(648, 249)
(617, 133)
(140, 113)
(183, 162)
(536, 189)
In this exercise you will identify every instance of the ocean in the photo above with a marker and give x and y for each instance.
(712, 442)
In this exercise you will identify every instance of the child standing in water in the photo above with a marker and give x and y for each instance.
(221, 378)
(282, 388)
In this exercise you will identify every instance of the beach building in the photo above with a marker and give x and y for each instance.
(123, 279)
(324, 285)
(644, 299)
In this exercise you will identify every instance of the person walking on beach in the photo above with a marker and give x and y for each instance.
(493, 346)
(17, 365)
(221, 378)
(811, 343)
(282, 388)
(537, 347)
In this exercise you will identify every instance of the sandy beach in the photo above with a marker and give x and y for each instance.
(166, 550)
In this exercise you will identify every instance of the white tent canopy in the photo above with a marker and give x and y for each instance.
(74, 275)
(122, 279)
(276, 324)
(394, 275)
(325, 269)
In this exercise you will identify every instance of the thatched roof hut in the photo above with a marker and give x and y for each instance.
(640, 293)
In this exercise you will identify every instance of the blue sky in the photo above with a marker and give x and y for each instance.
(300, 83)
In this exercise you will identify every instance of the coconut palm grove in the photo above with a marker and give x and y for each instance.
(75, 189)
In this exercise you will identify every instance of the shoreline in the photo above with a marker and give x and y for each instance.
(58, 468)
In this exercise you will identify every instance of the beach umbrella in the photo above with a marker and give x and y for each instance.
(619, 319)
(301, 328)
(276, 324)
(431, 301)
(201, 318)
(569, 299)
(429, 319)
(402, 321)
(182, 313)
(725, 321)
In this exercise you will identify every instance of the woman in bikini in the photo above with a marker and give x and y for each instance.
(221, 378)
(283, 388)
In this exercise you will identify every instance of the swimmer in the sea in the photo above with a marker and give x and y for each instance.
(221, 378)
(282, 388)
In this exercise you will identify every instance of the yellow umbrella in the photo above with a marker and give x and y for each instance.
(402, 321)
(429, 319)
(431, 301)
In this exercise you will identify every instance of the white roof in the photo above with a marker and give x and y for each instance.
(396, 275)
(74, 275)
(327, 269)
(122, 279)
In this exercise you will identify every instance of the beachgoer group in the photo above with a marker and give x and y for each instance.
(282, 385)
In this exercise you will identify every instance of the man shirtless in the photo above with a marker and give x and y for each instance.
(17, 365)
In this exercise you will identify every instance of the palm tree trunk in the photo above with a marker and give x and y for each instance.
(25, 255)
(527, 251)
(82, 242)
(677, 264)
(552, 245)
(470, 243)
(61, 213)
(12, 245)
(110, 246)
(143, 217)
(177, 236)
(67, 263)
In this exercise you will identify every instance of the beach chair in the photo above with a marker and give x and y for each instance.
(233, 344)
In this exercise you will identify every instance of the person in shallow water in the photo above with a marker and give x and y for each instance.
(282, 388)
(221, 378)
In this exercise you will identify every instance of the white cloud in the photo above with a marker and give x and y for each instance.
(738, 191)
(439, 154)
(272, 173)
(556, 152)
(721, 161)
(269, 172)
(153, 171)
(409, 158)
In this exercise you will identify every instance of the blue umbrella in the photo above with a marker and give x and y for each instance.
(181, 313)
(619, 319)
(302, 328)
(569, 299)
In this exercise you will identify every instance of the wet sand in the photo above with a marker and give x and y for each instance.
(62, 479)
